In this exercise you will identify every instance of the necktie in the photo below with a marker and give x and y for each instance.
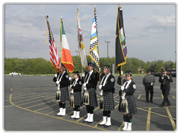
(125, 84)
(103, 80)
(87, 77)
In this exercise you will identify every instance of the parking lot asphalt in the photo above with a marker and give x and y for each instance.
(30, 105)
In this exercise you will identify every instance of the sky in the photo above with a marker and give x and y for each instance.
(150, 29)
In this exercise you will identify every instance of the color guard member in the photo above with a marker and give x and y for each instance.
(76, 91)
(63, 82)
(128, 89)
(90, 82)
(107, 87)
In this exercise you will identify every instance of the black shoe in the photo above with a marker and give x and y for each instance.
(151, 101)
(161, 105)
(169, 104)
(147, 101)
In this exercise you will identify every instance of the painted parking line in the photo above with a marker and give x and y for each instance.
(139, 96)
(54, 116)
(121, 126)
(34, 97)
(45, 107)
(148, 120)
(33, 101)
(162, 96)
(39, 104)
(25, 97)
(155, 113)
(174, 97)
(171, 119)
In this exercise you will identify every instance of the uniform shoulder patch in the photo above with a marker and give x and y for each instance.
(112, 79)
(134, 86)
(67, 76)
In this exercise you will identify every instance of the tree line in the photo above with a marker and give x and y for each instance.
(43, 66)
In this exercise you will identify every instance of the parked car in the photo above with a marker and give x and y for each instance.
(14, 73)
(172, 72)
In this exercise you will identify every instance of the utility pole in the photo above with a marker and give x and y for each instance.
(77, 53)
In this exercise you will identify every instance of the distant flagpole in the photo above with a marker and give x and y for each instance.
(54, 57)
(66, 57)
(94, 48)
(81, 46)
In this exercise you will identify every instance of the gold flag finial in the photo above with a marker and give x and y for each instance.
(119, 5)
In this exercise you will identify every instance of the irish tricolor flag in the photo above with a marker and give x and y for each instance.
(66, 58)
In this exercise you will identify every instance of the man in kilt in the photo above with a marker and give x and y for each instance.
(90, 82)
(63, 81)
(107, 87)
(128, 90)
(76, 91)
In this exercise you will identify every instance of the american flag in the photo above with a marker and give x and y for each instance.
(54, 57)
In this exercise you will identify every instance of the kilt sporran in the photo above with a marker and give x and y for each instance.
(58, 96)
(86, 98)
(71, 102)
(124, 106)
(101, 103)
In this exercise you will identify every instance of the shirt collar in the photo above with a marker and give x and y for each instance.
(129, 81)
(91, 72)
(108, 75)
(76, 79)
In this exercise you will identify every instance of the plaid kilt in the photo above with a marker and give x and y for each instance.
(64, 94)
(131, 105)
(108, 102)
(92, 97)
(77, 98)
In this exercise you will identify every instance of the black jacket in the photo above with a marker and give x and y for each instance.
(109, 85)
(64, 80)
(165, 82)
(130, 89)
(94, 78)
(78, 85)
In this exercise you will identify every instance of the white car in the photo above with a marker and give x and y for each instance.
(14, 73)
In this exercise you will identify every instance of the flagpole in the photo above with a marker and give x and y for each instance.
(120, 68)
(97, 40)
(46, 29)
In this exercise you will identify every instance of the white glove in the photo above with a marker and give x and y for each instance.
(85, 88)
(72, 91)
(101, 93)
(162, 77)
(83, 74)
(151, 83)
(100, 87)
(58, 87)
(57, 82)
(84, 84)
(55, 75)
(122, 88)
(70, 78)
(70, 86)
